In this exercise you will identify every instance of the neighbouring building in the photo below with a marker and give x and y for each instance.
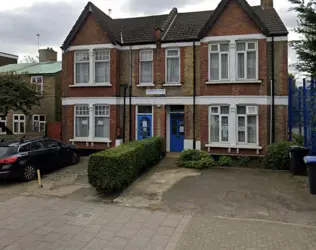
(201, 78)
(6, 59)
(46, 75)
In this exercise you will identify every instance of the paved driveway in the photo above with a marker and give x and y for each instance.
(244, 193)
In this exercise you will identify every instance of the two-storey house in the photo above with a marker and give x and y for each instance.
(215, 80)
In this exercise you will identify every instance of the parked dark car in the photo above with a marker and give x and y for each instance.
(21, 159)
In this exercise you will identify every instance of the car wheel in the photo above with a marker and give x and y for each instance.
(74, 158)
(29, 173)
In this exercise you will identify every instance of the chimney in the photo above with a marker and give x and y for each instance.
(46, 55)
(267, 4)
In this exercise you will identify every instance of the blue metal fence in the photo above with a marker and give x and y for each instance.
(302, 113)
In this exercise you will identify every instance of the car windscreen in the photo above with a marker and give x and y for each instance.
(4, 151)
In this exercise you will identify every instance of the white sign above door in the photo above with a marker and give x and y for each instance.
(155, 91)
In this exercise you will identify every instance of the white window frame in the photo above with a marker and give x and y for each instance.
(220, 123)
(75, 120)
(245, 62)
(246, 124)
(5, 124)
(34, 80)
(166, 65)
(220, 61)
(96, 61)
(19, 121)
(75, 68)
(39, 122)
(107, 115)
(140, 66)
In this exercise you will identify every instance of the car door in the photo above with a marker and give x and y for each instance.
(52, 152)
(37, 154)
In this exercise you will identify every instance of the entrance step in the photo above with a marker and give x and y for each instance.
(172, 155)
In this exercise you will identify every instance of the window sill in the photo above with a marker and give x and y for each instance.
(172, 84)
(213, 145)
(146, 85)
(90, 85)
(233, 82)
(105, 140)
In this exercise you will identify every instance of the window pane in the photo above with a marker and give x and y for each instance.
(241, 65)
(16, 127)
(36, 126)
(102, 55)
(102, 125)
(42, 127)
(225, 128)
(82, 56)
(241, 110)
(146, 70)
(224, 47)
(214, 61)
(214, 47)
(224, 66)
(144, 109)
(241, 129)
(173, 74)
(214, 110)
(251, 45)
(22, 117)
(173, 53)
(241, 46)
(22, 127)
(35, 118)
(252, 129)
(82, 126)
(82, 110)
(251, 65)
(42, 118)
(214, 128)
(146, 55)
(102, 72)
(82, 72)
(224, 110)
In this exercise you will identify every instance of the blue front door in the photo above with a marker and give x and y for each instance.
(144, 126)
(176, 132)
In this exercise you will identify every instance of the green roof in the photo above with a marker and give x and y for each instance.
(41, 68)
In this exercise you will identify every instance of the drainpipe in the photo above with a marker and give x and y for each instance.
(130, 93)
(124, 112)
(272, 123)
(194, 96)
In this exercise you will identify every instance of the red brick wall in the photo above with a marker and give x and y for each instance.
(90, 33)
(233, 21)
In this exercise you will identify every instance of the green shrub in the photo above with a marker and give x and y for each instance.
(195, 159)
(243, 161)
(115, 168)
(277, 156)
(225, 161)
(298, 139)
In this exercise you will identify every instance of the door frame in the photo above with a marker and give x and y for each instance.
(152, 120)
(168, 129)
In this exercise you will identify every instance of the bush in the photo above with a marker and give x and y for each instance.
(277, 156)
(298, 139)
(115, 168)
(225, 161)
(195, 159)
(250, 162)
(243, 161)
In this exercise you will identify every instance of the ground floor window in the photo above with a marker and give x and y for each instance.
(18, 124)
(39, 123)
(247, 124)
(3, 121)
(219, 121)
(92, 121)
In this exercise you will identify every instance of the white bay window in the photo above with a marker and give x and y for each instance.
(146, 67)
(247, 124)
(172, 66)
(219, 61)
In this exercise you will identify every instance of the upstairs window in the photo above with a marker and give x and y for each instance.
(247, 60)
(218, 62)
(146, 66)
(37, 82)
(102, 66)
(82, 67)
(173, 66)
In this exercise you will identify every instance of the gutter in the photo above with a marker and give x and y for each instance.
(194, 95)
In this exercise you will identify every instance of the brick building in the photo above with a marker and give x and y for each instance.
(200, 78)
(6, 59)
(45, 75)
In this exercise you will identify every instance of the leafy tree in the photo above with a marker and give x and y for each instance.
(306, 46)
(17, 93)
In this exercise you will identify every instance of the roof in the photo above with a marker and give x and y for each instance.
(40, 68)
(174, 26)
(2, 54)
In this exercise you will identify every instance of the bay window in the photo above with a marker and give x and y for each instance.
(172, 66)
(102, 121)
(219, 123)
(102, 66)
(82, 121)
(82, 67)
(146, 66)
(247, 130)
(218, 62)
(246, 60)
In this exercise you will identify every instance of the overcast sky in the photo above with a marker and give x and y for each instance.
(21, 20)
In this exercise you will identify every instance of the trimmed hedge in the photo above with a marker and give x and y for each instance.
(195, 159)
(115, 168)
